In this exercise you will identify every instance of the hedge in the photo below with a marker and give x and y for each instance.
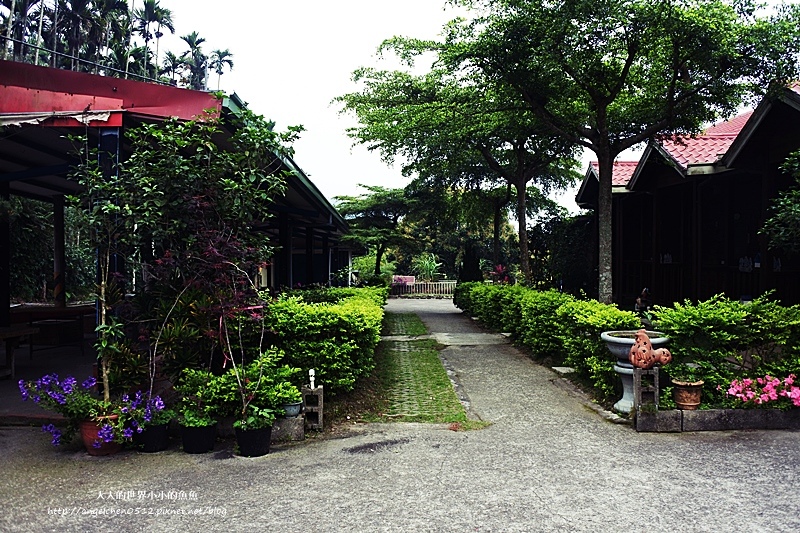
(722, 339)
(338, 340)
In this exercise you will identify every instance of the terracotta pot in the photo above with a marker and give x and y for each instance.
(687, 394)
(92, 442)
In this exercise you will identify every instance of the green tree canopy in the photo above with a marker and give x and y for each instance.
(374, 218)
(452, 127)
(609, 74)
(783, 226)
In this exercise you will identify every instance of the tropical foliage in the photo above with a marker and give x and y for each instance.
(109, 37)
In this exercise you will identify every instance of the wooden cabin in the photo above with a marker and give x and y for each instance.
(687, 216)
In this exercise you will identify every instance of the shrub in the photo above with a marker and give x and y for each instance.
(720, 340)
(539, 323)
(582, 322)
(338, 340)
(463, 295)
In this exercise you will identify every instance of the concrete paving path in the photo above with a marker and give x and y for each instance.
(547, 463)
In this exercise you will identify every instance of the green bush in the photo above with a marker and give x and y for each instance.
(511, 299)
(719, 340)
(333, 295)
(338, 340)
(462, 296)
(539, 324)
(582, 322)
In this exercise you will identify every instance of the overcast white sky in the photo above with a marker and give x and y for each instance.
(292, 58)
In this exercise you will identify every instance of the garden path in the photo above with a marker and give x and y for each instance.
(546, 463)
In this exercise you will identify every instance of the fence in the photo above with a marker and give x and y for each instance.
(424, 288)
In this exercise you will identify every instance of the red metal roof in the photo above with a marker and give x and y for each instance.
(32, 89)
(707, 147)
(623, 172)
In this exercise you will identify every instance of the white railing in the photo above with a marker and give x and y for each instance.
(424, 288)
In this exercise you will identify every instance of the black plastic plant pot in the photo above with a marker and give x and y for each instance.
(199, 439)
(253, 442)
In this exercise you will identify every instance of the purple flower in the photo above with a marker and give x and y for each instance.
(158, 403)
(127, 433)
(59, 398)
(23, 390)
(68, 384)
(55, 432)
(106, 433)
(89, 383)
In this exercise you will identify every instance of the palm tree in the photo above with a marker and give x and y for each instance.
(219, 60)
(16, 25)
(152, 13)
(172, 65)
(115, 20)
(197, 61)
(9, 26)
(81, 26)
(163, 19)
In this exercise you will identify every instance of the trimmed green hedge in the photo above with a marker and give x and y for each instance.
(580, 324)
(551, 324)
(719, 340)
(337, 340)
(722, 339)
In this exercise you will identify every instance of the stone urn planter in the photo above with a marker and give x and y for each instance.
(619, 344)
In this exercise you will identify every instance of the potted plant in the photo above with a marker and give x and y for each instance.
(98, 420)
(198, 409)
(289, 398)
(145, 419)
(250, 397)
(687, 387)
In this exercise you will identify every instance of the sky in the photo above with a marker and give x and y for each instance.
(291, 59)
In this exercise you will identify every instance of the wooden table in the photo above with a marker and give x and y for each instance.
(13, 335)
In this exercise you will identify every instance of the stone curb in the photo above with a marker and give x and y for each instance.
(677, 421)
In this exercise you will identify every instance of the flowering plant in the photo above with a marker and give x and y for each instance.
(75, 402)
(782, 392)
(141, 410)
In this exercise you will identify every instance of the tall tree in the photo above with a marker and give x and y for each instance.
(609, 74)
(454, 127)
(219, 60)
(16, 25)
(173, 65)
(374, 218)
(196, 60)
(152, 14)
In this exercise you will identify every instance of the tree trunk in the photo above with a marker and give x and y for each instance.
(604, 227)
(522, 219)
(10, 22)
(498, 207)
(379, 250)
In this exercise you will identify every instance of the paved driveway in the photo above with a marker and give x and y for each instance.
(547, 463)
